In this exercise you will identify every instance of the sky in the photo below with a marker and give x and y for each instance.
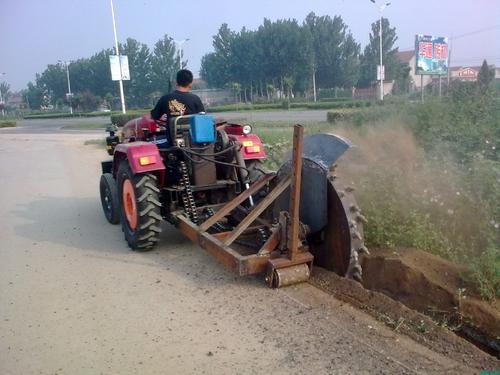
(35, 33)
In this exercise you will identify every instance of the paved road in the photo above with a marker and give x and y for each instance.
(75, 300)
(52, 126)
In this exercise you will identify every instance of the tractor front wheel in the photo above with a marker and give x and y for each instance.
(109, 198)
(140, 208)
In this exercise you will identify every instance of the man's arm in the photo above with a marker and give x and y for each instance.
(199, 104)
(159, 110)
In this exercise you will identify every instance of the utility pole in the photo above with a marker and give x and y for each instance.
(314, 83)
(1, 97)
(381, 69)
(70, 95)
(179, 44)
(117, 51)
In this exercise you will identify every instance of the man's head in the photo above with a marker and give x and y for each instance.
(184, 79)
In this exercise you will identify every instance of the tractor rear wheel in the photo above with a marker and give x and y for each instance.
(109, 198)
(140, 208)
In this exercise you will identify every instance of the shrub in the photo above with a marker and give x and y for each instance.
(120, 119)
(7, 124)
(64, 115)
(243, 107)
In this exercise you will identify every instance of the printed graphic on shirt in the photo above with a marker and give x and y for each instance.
(176, 108)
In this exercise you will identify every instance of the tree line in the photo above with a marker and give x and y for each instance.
(283, 57)
(278, 59)
(151, 72)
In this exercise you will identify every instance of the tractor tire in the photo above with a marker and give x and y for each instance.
(109, 198)
(256, 170)
(140, 212)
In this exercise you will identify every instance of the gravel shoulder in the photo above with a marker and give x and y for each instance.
(75, 300)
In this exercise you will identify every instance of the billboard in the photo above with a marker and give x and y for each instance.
(431, 55)
(116, 70)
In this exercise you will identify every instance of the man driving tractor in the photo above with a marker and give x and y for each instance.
(179, 102)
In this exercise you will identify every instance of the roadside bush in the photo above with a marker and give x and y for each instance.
(286, 105)
(64, 115)
(438, 190)
(243, 107)
(120, 119)
(8, 124)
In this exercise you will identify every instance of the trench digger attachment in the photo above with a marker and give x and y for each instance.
(327, 206)
(307, 214)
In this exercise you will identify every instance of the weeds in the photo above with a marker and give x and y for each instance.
(426, 176)
(8, 124)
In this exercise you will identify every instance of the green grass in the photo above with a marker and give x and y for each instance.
(8, 124)
(423, 177)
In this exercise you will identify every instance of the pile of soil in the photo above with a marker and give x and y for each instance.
(435, 287)
(405, 320)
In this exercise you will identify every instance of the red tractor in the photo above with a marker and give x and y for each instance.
(207, 179)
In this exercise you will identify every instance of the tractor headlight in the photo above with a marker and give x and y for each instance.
(247, 129)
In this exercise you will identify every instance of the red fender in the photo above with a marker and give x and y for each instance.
(142, 157)
(252, 147)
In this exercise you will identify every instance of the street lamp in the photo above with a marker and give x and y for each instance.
(381, 70)
(117, 51)
(69, 94)
(179, 44)
(1, 97)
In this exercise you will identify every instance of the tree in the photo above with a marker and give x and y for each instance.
(163, 64)
(401, 78)
(334, 51)
(216, 67)
(5, 91)
(485, 77)
(349, 63)
(371, 55)
(53, 79)
(86, 101)
(140, 85)
(33, 96)
(287, 49)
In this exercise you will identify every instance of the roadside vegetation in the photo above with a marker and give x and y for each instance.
(7, 123)
(426, 175)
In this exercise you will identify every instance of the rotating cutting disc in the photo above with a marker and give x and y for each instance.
(338, 245)
(327, 206)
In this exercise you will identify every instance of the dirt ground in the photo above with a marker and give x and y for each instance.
(75, 300)
(437, 288)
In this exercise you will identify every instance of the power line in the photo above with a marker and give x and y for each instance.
(464, 35)
(475, 32)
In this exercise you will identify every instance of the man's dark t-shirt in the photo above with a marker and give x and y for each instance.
(177, 103)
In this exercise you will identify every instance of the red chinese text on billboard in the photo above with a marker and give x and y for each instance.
(440, 51)
(425, 50)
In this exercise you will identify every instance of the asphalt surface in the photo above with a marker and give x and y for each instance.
(75, 300)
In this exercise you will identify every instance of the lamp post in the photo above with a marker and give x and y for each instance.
(1, 97)
(381, 8)
(69, 94)
(117, 51)
(179, 44)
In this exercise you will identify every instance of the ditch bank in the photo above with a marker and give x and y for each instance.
(424, 297)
